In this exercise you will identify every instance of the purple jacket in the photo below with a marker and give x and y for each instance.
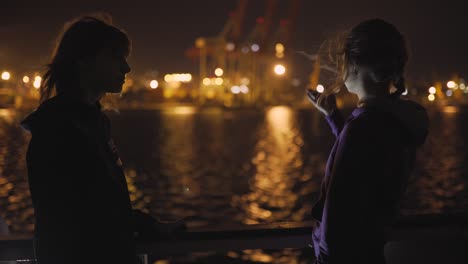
(365, 176)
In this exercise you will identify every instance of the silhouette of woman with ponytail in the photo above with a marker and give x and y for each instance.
(374, 152)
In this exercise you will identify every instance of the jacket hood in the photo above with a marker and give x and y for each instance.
(411, 115)
(59, 109)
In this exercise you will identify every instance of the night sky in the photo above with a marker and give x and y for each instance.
(161, 31)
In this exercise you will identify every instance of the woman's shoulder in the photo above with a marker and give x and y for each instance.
(373, 115)
(370, 123)
(367, 117)
(48, 117)
(59, 114)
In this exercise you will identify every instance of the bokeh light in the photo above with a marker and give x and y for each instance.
(235, 89)
(219, 72)
(320, 88)
(451, 84)
(279, 69)
(154, 84)
(6, 75)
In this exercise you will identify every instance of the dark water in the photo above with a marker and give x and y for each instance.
(219, 167)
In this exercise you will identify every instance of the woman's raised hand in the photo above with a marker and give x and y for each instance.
(326, 105)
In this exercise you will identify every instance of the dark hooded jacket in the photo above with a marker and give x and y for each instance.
(79, 192)
(366, 175)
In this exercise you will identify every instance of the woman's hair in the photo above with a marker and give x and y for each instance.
(82, 38)
(376, 45)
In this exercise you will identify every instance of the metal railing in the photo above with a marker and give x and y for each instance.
(437, 228)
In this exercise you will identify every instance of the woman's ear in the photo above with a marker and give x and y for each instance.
(85, 65)
(351, 71)
(82, 65)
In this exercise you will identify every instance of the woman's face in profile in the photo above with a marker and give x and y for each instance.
(109, 71)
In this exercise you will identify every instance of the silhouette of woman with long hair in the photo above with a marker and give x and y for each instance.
(374, 152)
(78, 188)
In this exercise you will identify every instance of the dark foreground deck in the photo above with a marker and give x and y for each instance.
(422, 239)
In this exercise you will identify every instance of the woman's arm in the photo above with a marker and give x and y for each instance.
(55, 172)
(335, 121)
(61, 168)
(329, 108)
(352, 192)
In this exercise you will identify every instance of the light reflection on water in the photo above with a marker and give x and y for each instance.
(277, 161)
(277, 183)
(15, 201)
(215, 167)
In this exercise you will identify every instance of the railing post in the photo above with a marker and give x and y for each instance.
(142, 257)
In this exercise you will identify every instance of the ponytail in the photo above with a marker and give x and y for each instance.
(48, 84)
